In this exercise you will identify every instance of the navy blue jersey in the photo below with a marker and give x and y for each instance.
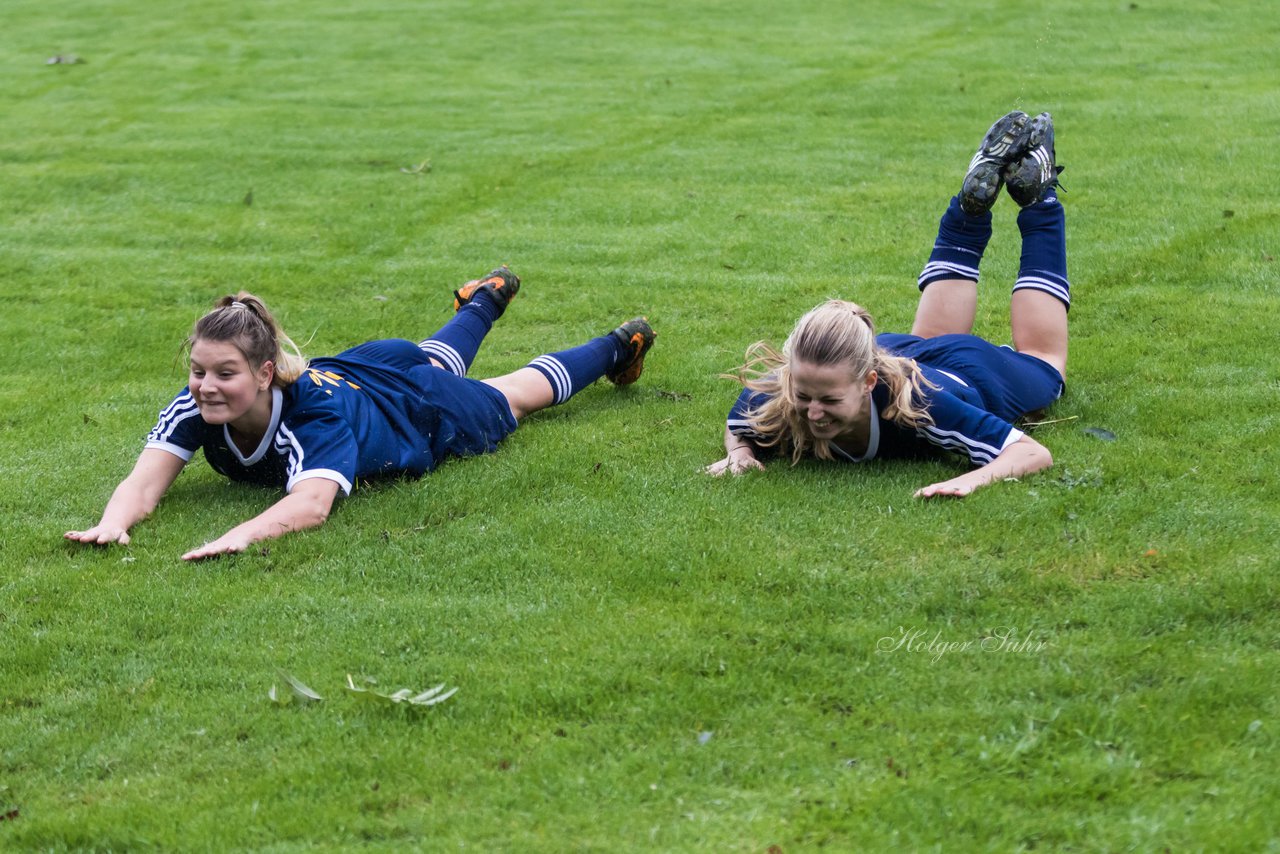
(981, 389)
(379, 408)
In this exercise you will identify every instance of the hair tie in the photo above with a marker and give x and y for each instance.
(237, 304)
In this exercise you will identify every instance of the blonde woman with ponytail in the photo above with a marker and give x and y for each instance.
(263, 414)
(838, 391)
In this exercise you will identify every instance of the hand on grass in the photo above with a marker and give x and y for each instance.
(227, 544)
(957, 487)
(99, 535)
(734, 464)
(1024, 456)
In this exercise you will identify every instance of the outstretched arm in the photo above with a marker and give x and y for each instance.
(134, 499)
(306, 507)
(1024, 456)
(740, 456)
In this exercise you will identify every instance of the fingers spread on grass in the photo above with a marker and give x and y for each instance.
(99, 536)
(943, 490)
(733, 465)
(224, 545)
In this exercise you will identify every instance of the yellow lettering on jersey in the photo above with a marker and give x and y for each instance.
(322, 377)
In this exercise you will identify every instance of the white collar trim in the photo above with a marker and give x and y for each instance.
(873, 438)
(260, 451)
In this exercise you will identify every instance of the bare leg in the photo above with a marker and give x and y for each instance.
(526, 391)
(1039, 323)
(553, 378)
(946, 306)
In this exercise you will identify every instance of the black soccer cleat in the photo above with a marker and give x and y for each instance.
(502, 285)
(1005, 142)
(1029, 178)
(636, 337)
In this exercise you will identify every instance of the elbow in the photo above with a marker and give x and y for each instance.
(320, 512)
(305, 518)
(311, 502)
(1041, 459)
(1026, 456)
(311, 514)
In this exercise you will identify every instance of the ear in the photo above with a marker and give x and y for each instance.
(871, 380)
(266, 373)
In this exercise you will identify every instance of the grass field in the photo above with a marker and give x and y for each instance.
(646, 658)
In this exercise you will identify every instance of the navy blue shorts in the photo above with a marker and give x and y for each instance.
(1012, 384)
(465, 416)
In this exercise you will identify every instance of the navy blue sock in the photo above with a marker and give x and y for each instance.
(1044, 249)
(958, 249)
(570, 371)
(456, 344)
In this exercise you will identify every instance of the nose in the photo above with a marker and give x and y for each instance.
(815, 412)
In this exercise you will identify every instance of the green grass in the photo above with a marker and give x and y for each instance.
(647, 659)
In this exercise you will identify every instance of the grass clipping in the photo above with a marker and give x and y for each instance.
(298, 691)
(301, 693)
(429, 697)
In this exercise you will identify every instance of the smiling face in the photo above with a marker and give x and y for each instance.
(222, 382)
(832, 399)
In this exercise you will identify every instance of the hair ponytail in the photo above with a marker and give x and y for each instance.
(245, 321)
(906, 387)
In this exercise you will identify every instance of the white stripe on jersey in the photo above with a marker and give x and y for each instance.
(978, 452)
(182, 401)
(287, 443)
(561, 384)
(742, 427)
(183, 407)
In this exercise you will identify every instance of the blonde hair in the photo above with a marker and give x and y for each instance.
(245, 321)
(835, 333)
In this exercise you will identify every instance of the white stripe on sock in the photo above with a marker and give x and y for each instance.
(945, 269)
(561, 383)
(452, 359)
(1048, 286)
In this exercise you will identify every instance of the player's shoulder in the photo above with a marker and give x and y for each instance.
(180, 415)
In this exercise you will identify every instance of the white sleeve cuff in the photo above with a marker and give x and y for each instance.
(1014, 435)
(327, 474)
(179, 452)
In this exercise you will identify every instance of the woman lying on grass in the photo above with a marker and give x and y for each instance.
(839, 391)
(265, 415)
